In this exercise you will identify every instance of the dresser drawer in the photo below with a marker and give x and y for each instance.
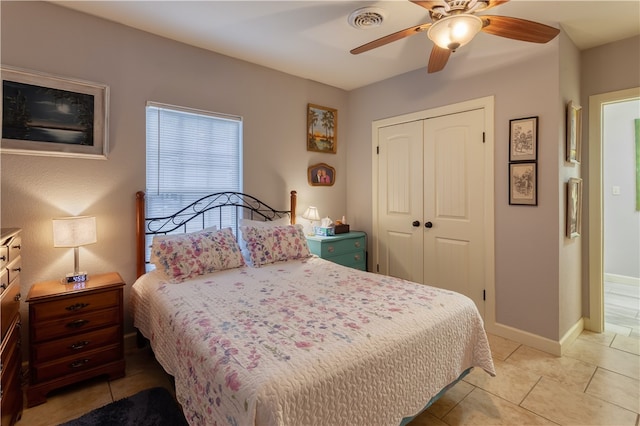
(10, 356)
(74, 345)
(14, 269)
(74, 324)
(4, 256)
(78, 304)
(64, 366)
(9, 305)
(335, 248)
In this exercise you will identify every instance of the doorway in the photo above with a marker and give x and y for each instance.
(596, 207)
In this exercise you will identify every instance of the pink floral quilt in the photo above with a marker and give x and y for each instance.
(307, 342)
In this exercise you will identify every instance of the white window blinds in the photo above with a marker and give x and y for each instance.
(190, 153)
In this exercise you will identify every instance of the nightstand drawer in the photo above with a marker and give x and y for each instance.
(78, 304)
(74, 345)
(64, 366)
(353, 260)
(336, 248)
(73, 324)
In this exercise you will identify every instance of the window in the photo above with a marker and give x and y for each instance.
(190, 153)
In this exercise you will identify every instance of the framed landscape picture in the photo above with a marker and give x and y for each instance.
(322, 128)
(54, 116)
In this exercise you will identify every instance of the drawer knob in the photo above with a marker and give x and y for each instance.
(3, 286)
(79, 345)
(18, 246)
(77, 323)
(79, 363)
(17, 298)
(3, 258)
(357, 244)
(17, 269)
(76, 307)
(331, 249)
(356, 257)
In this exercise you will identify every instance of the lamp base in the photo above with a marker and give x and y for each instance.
(78, 277)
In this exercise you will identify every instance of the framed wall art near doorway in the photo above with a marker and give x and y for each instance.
(523, 139)
(523, 183)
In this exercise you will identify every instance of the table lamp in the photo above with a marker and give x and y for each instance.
(74, 232)
(311, 214)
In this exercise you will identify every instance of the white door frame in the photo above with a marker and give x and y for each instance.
(595, 321)
(486, 103)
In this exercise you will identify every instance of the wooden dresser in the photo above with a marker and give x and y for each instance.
(348, 249)
(75, 331)
(10, 353)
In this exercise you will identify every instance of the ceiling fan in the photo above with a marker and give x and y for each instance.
(454, 24)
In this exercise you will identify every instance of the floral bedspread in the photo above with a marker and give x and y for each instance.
(307, 342)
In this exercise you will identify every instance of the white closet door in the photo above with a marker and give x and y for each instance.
(454, 203)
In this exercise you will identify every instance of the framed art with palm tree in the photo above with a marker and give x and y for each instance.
(322, 129)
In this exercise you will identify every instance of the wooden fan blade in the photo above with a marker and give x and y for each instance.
(518, 29)
(390, 38)
(435, 3)
(494, 3)
(428, 4)
(438, 59)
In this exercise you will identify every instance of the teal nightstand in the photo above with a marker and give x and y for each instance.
(348, 249)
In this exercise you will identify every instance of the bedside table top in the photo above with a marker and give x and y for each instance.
(54, 288)
(350, 234)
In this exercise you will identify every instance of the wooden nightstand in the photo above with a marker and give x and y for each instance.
(75, 333)
(348, 249)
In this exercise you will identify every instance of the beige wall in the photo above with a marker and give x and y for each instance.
(139, 67)
(526, 237)
(536, 269)
(608, 68)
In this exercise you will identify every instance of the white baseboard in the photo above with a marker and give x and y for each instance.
(538, 342)
(622, 279)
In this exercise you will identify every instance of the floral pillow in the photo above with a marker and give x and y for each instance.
(189, 255)
(274, 243)
(157, 239)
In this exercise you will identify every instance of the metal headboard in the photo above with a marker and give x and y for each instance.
(246, 206)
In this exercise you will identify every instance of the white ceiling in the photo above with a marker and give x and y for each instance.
(312, 39)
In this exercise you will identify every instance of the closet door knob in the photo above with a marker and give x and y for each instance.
(416, 223)
(428, 225)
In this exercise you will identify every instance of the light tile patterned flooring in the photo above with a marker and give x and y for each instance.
(597, 382)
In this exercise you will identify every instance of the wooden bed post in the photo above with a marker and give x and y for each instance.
(140, 237)
(293, 201)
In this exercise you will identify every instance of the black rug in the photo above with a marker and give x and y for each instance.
(151, 407)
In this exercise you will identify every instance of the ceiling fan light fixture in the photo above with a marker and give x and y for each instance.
(452, 32)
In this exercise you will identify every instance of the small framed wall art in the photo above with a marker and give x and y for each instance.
(48, 115)
(574, 207)
(523, 139)
(322, 129)
(574, 132)
(523, 183)
(321, 175)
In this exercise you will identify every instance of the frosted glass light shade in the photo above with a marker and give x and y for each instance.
(311, 213)
(74, 231)
(454, 31)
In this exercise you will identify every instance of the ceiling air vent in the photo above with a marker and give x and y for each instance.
(367, 17)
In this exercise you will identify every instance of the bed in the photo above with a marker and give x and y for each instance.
(272, 335)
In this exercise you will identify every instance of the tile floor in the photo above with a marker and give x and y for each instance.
(597, 382)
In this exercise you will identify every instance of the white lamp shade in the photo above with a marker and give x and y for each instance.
(454, 31)
(311, 213)
(74, 231)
